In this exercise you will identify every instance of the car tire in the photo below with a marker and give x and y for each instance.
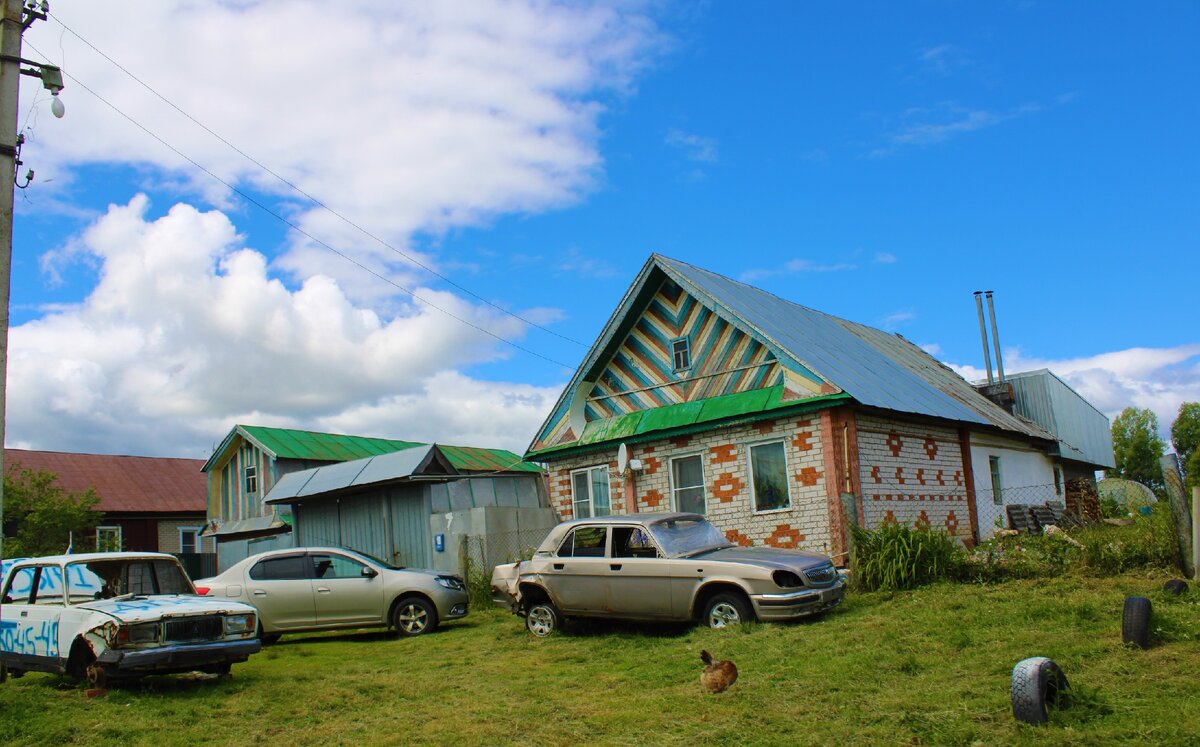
(96, 675)
(724, 610)
(224, 669)
(1175, 587)
(1135, 622)
(414, 616)
(1037, 684)
(542, 619)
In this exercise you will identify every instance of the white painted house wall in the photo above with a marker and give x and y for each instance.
(1027, 476)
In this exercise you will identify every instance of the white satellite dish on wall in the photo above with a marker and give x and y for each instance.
(622, 459)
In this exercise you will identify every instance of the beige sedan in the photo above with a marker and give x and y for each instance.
(662, 566)
(324, 588)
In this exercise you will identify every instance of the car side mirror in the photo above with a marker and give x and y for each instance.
(369, 572)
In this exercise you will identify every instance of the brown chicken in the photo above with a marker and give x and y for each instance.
(717, 676)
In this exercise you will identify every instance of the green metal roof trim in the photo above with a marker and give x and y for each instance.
(327, 447)
(638, 426)
(471, 459)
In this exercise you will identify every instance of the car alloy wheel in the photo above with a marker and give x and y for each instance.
(414, 616)
(723, 615)
(542, 619)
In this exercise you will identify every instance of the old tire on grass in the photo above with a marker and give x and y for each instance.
(1175, 587)
(542, 619)
(1135, 622)
(1037, 684)
(724, 610)
(414, 616)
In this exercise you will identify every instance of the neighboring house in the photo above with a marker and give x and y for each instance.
(414, 507)
(251, 460)
(780, 423)
(148, 503)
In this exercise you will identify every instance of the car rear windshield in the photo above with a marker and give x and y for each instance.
(108, 578)
(684, 537)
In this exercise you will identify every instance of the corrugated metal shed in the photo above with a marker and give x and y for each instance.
(1084, 433)
(124, 483)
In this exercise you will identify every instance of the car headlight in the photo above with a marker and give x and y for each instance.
(451, 582)
(145, 633)
(240, 623)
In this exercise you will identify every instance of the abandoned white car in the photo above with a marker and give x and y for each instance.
(115, 616)
(663, 566)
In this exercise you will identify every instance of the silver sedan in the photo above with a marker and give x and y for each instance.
(324, 588)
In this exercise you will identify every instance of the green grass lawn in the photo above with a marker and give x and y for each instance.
(925, 667)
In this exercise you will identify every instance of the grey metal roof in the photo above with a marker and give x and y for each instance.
(1084, 433)
(876, 368)
(358, 473)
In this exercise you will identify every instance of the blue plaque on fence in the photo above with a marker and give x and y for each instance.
(439, 542)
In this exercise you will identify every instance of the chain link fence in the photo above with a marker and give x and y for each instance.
(479, 554)
(993, 512)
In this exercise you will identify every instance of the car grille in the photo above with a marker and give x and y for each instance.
(203, 628)
(822, 576)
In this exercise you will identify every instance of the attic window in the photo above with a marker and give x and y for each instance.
(681, 354)
(251, 480)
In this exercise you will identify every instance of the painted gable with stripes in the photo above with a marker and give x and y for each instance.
(642, 374)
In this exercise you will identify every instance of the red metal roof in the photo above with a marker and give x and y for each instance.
(124, 483)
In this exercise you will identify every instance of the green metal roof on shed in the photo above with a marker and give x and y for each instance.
(287, 443)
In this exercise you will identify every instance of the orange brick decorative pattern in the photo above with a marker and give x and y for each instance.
(651, 465)
(931, 448)
(941, 479)
(723, 453)
(765, 427)
(916, 497)
(890, 518)
(895, 444)
(958, 478)
(922, 521)
(738, 538)
(809, 476)
(726, 487)
(900, 475)
(875, 474)
(952, 523)
(921, 476)
(803, 441)
(784, 536)
(653, 498)
(681, 441)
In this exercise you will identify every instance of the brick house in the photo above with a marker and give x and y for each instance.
(148, 503)
(778, 422)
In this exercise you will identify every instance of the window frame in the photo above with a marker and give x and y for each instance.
(250, 479)
(197, 544)
(1058, 480)
(591, 499)
(750, 447)
(108, 528)
(686, 353)
(997, 481)
(582, 527)
(675, 488)
(306, 566)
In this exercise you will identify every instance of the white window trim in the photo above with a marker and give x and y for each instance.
(591, 498)
(787, 471)
(117, 528)
(199, 539)
(995, 479)
(687, 351)
(703, 478)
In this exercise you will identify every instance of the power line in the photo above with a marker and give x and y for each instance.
(296, 227)
(310, 197)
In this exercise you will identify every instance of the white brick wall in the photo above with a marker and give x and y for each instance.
(725, 452)
(907, 470)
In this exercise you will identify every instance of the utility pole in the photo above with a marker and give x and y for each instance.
(18, 16)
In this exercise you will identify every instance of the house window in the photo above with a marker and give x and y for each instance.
(1058, 481)
(681, 354)
(189, 539)
(997, 488)
(687, 484)
(768, 477)
(108, 539)
(251, 480)
(589, 488)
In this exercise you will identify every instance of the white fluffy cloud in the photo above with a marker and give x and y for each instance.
(186, 332)
(1159, 379)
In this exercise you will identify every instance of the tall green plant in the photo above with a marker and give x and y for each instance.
(45, 515)
(897, 557)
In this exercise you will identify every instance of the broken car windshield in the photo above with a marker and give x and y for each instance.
(688, 537)
(125, 578)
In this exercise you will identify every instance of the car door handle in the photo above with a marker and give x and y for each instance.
(24, 613)
(259, 593)
(558, 566)
(614, 567)
(322, 590)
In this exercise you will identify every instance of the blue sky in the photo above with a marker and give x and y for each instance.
(878, 162)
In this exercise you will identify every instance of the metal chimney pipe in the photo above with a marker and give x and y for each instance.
(995, 336)
(987, 357)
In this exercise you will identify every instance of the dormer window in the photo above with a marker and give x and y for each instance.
(251, 480)
(681, 354)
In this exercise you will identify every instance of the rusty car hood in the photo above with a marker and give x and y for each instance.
(766, 557)
(155, 607)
